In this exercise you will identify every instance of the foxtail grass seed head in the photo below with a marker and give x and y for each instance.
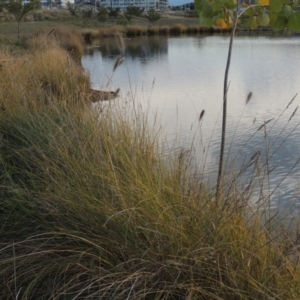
(248, 97)
(118, 62)
(256, 154)
(51, 31)
(120, 42)
(201, 115)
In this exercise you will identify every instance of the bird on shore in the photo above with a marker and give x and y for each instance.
(96, 95)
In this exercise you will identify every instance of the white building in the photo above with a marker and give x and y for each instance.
(52, 3)
(161, 5)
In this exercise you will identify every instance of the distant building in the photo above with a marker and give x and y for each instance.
(161, 5)
(52, 3)
(48, 3)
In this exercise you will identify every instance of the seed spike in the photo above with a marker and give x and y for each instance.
(248, 97)
(118, 62)
(201, 115)
(120, 42)
(51, 31)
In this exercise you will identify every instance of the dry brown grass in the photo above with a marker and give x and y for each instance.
(193, 29)
(164, 30)
(70, 40)
(135, 30)
(178, 29)
(40, 78)
(153, 30)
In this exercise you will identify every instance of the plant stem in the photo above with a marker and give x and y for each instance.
(225, 90)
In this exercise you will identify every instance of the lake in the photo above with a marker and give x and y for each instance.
(175, 78)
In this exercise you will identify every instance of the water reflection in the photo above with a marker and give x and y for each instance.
(188, 73)
(141, 48)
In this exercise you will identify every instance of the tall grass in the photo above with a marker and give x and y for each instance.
(40, 78)
(69, 40)
(178, 29)
(91, 209)
(136, 30)
(153, 30)
(164, 30)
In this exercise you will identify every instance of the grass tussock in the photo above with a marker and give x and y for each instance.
(193, 29)
(154, 30)
(178, 29)
(69, 40)
(90, 34)
(136, 30)
(91, 209)
(40, 78)
(164, 30)
(111, 31)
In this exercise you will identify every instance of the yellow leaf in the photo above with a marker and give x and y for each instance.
(221, 23)
(245, 4)
(264, 2)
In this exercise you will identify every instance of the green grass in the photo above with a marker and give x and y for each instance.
(92, 209)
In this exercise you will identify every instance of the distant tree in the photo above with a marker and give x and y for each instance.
(102, 14)
(114, 12)
(135, 11)
(128, 16)
(53, 4)
(87, 13)
(153, 15)
(19, 10)
(72, 9)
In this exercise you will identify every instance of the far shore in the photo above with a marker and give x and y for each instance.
(171, 23)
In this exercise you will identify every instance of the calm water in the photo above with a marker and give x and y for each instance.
(178, 77)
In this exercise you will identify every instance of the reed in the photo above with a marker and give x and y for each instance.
(90, 34)
(135, 30)
(40, 78)
(91, 208)
(154, 30)
(178, 29)
(164, 30)
(69, 40)
(193, 29)
(110, 31)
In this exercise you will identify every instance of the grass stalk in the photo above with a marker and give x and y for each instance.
(225, 90)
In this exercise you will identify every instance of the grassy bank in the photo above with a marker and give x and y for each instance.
(91, 209)
(173, 24)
